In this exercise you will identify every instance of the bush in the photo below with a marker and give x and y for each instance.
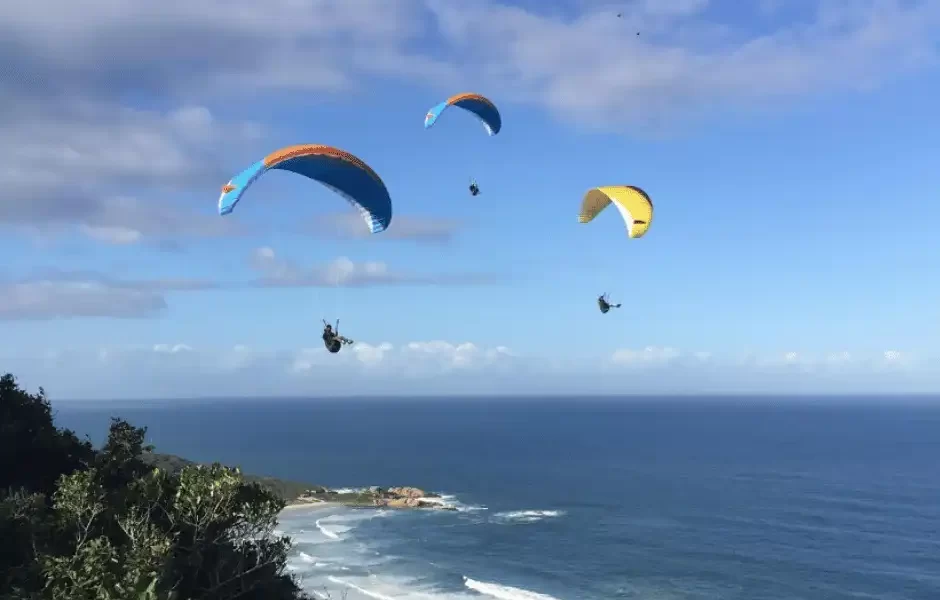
(80, 524)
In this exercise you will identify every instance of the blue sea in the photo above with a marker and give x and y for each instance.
(580, 499)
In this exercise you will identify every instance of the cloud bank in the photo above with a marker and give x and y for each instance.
(82, 158)
(442, 368)
(57, 294)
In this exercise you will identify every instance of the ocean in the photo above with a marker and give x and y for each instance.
(581, 499)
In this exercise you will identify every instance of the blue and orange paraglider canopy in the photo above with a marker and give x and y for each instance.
(479, 105)
(342, 172)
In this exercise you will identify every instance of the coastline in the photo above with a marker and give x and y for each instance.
(291, 506)
(298, 494)
(373, 497)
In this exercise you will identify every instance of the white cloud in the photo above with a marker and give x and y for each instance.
(673, 8)
(118, 236)
(187, 370)
(687, 66)
(63, 299)
(414, 359)
(343, 272)
(838, 358)
(785, 362)
(264, 255)
(62, 295)
(80, 158)
(55, 294)
(71, 167)
(684, 58)
(443, 368)
(418, 229)
(171, 349)
(649, 356)
(177, 45)
(372, 355)
(898, 361)
(448, 356)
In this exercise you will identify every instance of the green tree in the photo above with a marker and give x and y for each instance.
(112, 528)
(33, 455)
(33, 452)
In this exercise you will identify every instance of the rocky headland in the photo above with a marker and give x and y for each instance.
(374, 497)
(296, 493)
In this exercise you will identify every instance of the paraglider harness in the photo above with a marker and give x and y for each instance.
(474, 188)
(332, 339)
(604, 303)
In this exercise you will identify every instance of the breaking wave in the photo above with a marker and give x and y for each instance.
(367, 567)
(327, 532)
(528, 516)
(504, 592)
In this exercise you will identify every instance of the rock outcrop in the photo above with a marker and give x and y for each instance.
(406, 492)
(378, 497)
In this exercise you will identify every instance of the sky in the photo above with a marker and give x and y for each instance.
(791, 149)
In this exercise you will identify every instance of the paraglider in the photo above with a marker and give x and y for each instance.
(482, 107)
(603, 302)
(479, 105)
(333, 341)
(336, 169)
(634, 205)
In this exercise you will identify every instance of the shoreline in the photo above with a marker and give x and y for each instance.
(403, 498)
(291, 506)
(298, 494)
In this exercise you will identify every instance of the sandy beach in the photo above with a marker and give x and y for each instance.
(311, 505)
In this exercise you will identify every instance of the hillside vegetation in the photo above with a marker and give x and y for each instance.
(121, 523)
(284, 489)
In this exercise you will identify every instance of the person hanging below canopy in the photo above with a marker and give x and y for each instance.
(333, 341)
(473, 104)
(603, 302)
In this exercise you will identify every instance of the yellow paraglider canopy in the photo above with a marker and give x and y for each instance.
(634, 205)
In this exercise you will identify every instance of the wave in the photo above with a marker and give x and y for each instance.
(362, 591)
(328, 533)
(441, 501)
(529, 516)
(366, 571)
(451, 501)
(504, 592)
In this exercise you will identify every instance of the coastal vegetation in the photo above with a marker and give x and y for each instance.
(286, 490)
(295, 493)
(85, 523)
(122, 522)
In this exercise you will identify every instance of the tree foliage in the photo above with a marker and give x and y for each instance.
(81, 524)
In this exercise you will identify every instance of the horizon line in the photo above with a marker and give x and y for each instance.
(521, 396)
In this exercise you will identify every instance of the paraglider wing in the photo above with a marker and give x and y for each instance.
(634, 205)
(340, 171)
(482, 107)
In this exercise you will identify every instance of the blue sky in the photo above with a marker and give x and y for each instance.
(790, 150)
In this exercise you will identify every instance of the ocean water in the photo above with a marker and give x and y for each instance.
(575, 499)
